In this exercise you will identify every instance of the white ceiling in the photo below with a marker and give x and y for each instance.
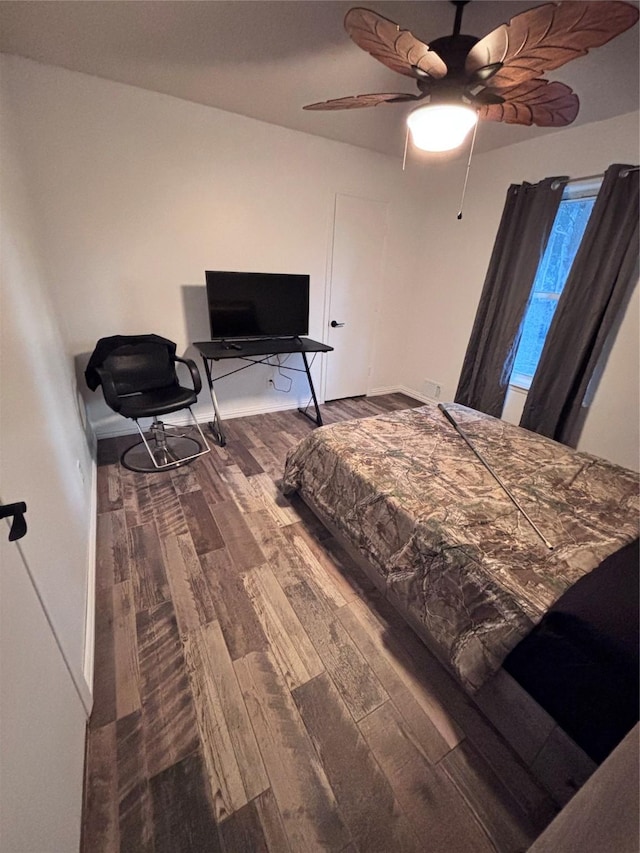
(267, 59)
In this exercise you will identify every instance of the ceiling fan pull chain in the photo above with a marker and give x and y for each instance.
(406, 145)
(466, 177)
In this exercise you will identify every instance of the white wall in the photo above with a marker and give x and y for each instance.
(456, 255)
(141, 192)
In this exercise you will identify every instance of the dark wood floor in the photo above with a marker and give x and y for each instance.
(253, 692)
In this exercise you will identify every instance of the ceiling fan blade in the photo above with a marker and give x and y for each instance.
(534, 102)
(397, 49)
(357, 101)
(548, 36)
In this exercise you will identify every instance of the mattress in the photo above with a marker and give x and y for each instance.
(448, 546)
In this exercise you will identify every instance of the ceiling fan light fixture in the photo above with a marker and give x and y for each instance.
(441, 127)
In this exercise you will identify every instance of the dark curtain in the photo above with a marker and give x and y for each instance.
(522, 237)
(599, 285)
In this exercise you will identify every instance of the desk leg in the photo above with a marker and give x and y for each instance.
(318, 418)
(216, 424)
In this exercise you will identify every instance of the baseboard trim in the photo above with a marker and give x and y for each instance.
(90, 612)
(205, 414)
(401, 389)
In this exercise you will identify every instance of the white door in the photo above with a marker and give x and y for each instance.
(356, 274)
(42, 722)
(43, 710)
(44, 461)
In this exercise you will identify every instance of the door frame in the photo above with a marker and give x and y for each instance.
(326, 319)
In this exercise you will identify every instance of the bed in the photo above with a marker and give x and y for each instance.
(442, 539)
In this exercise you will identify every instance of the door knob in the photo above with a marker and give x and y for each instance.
(335, 324)
(19, 525)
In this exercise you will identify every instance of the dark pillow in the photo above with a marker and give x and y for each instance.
(581, 661)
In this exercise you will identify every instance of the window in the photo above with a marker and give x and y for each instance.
(567, 232)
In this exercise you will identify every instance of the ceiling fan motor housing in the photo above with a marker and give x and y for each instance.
(454, 51)
(457, 86)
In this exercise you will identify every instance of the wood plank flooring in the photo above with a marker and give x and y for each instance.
(254, 692)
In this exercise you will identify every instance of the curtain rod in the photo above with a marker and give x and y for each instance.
(558, 182)
(585, 178)
(623, 174)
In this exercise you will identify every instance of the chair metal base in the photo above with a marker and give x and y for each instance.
(166, 449)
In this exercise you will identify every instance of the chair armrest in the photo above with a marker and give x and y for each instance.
(195, 375)
(109, 389)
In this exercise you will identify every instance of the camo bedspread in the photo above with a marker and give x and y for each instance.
(452, 551)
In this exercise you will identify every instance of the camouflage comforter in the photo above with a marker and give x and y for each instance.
(450, 548)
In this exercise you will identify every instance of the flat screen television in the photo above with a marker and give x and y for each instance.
(257, 305)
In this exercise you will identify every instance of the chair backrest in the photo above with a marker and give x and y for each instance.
(141, 367)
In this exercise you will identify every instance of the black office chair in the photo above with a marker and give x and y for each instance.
(138, 378)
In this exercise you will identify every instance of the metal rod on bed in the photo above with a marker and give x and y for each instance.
(513, 500)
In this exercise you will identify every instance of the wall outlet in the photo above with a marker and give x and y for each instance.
(432, 389)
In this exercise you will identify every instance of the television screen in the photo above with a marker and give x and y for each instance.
(252, 305)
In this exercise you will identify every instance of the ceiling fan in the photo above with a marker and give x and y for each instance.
(496, 78)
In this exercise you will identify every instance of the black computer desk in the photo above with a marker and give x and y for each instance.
(257, 351)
